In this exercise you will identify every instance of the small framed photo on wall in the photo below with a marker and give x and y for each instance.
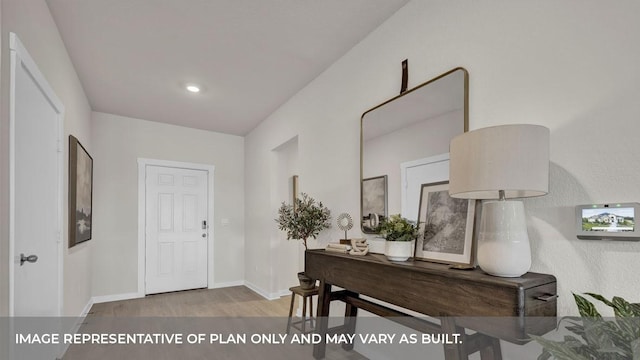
(445, 226)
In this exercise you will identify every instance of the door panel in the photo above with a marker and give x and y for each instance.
(165, 209)
(176, 243)
(36, 224)
(415, 173)
(190, 215)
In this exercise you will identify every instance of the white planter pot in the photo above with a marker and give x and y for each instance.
(398, 250)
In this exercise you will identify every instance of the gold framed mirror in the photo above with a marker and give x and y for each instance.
(414, 125)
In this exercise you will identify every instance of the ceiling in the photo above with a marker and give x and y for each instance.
(134, 57)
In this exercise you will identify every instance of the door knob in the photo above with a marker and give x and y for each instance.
(30, 258)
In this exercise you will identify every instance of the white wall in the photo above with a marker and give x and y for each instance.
(272, 261)
(118, 143)
(286, 253)
(35, 27)
(4, 192)
(568, 65)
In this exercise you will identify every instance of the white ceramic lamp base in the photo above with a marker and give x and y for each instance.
(503, 241)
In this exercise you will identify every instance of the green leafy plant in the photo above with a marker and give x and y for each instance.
(597, 338)
(397, 228)
(304, 220)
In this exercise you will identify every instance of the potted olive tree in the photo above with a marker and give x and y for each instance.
(303, 220)
(399, 234)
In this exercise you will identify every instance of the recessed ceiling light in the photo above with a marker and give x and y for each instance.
(193, 88)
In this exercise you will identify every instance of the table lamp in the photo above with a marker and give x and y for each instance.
(501, 162)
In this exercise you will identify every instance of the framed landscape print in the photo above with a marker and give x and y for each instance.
(445, 226)
(80, 192)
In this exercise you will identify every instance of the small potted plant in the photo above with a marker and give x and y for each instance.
(399, 234)
(303, 221)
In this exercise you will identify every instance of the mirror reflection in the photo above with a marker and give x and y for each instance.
(402, 133)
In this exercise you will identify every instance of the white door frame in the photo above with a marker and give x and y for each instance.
(20, 57)
(405, 202)
(142, 222)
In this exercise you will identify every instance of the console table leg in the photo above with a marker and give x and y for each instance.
(492, 351)
(350, 317)
(324, 300)
(453, 351)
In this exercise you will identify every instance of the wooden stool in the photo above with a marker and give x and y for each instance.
(302, 324)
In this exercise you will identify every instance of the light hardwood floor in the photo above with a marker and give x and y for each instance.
(232, 301)
(233, 310)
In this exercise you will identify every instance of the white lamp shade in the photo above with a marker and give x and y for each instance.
(513, 158)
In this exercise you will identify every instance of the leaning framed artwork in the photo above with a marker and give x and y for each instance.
(374, 203)
(445, 226)
(80, 193)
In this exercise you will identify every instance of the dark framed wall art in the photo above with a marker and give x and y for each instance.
(80, 193)
(374, 203)
(445, 226)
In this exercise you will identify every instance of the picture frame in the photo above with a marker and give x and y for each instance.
(294, 191)
(80, 193)
(446, 227)
(374, 203)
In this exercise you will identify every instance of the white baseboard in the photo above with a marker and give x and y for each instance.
(86, 309)
(264, 294)
(116, 297)
(269, 296)
(227, 284)
(76, 326)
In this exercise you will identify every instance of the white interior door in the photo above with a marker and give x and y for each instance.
(413, 174)
(176, 229)
(36, 187)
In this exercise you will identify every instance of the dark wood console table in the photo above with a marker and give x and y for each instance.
(496, 308)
